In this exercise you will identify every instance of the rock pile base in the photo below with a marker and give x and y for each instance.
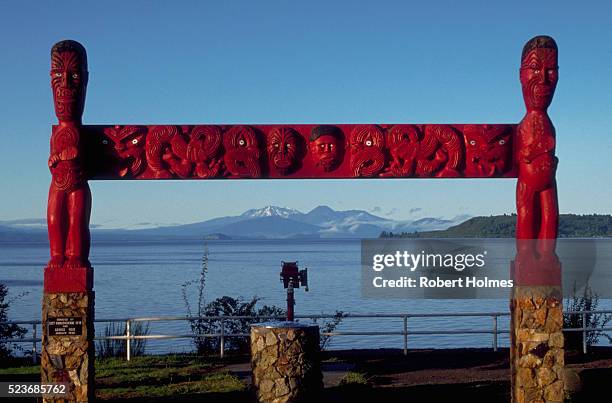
(285, 358)
(69, 358)
(537, 345)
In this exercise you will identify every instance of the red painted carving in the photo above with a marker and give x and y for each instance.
(129, 144)
(367, 150)
(536, 263)
(242, 155)
(166, 150)
(487, 150)
(203, 150)
(536, 194)
(440, 153)
(326, 147)
(404, 143)
(387, 151)
(69, 203)
(284, 149)
(78, 153)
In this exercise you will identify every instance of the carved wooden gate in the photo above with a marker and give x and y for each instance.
(79, 153)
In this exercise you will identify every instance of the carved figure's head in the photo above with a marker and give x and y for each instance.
(129, 146)
(69, 80)
(327, 147)
(539, 72)
(283, 145)
(488, 149)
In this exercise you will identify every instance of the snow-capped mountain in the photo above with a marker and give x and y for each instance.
(271, 211)
(267, 222)
(284, 222)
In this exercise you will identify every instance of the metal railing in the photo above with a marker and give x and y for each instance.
(494, 331)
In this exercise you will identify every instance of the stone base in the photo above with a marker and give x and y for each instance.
(69, 358)
(286, 362)
(536, 345)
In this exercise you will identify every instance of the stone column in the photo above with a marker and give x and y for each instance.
(536, 338)
(68, 351)
(285, 358)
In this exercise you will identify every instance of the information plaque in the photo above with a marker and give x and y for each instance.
(65, 326)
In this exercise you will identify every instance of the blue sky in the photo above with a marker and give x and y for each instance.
(283, 62)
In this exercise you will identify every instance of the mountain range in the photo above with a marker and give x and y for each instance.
(270, 222)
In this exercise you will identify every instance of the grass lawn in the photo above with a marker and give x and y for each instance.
(152, 378)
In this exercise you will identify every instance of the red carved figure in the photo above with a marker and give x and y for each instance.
(283, 149)
(487, 150)
(440, 152)
(536, 194)
(326, 147)
(203, 149)
(279, 151)
(404, 145)
(166, 150)
(69, 204)
(129, 144)
(367, 150)
(242, 155)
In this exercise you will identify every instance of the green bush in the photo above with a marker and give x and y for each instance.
(118, 348)
(8, 331)
(587, 301)
(223, 306)
(354, 378)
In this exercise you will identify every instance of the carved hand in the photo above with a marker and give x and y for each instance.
(53, 160)
(69, 153)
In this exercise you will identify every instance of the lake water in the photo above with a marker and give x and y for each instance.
(145, 278)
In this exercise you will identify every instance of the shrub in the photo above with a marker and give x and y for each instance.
(228, 306)
(354, 378)
(117, 347)
(7, 331)
(587, 301)
(223, 306)
(328, 326)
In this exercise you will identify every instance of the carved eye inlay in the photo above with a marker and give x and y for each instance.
(135, 141)
(241, 142)
(502, 142)
(105, 142)
(58, 74)
(368, 143)
(473, 142)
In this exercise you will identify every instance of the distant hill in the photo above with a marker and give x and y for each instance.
(503, 226)
(270, 222)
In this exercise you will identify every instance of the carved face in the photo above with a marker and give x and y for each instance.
(128, 143)
(326, 151)
(69, 84)
(242, 152)
(539, 75)
(487, 149)
(283, 148)
(367, 156)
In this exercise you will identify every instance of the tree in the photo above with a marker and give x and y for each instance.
(7, 331)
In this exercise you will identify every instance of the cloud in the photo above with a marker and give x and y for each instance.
(375, 209)
(414, 210)
(391, 212)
